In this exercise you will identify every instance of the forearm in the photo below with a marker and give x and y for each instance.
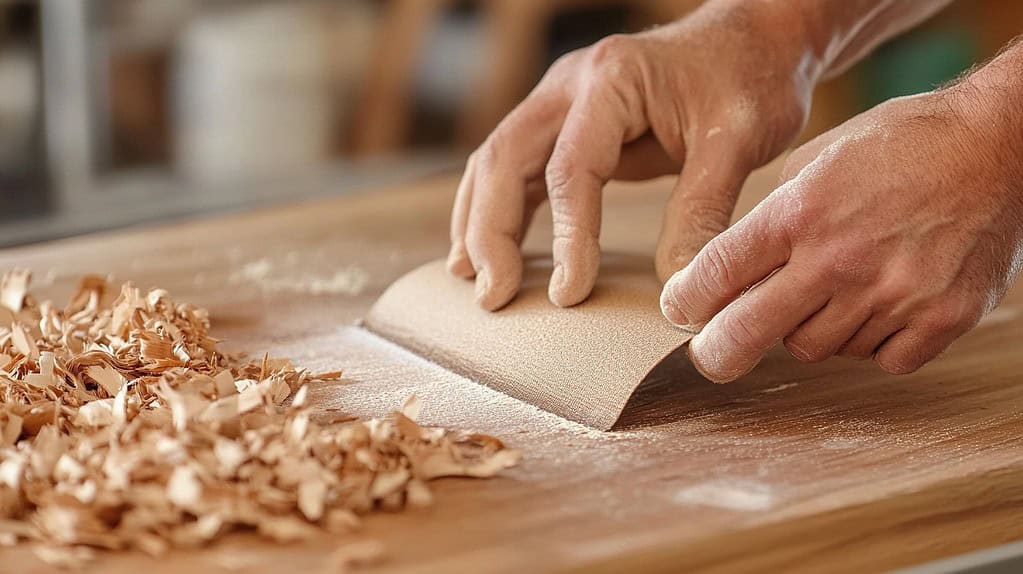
(1000, 83)
(842, 32)
(832, 34)
(991, 97)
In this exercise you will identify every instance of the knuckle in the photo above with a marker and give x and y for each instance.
(486, 156)
(558, 176)
(793, 165)
(815, 275)
(901, 284)
(714, 270)
(968, 311)
(742, 122)
(938, 321)
(568, 229)
(684, 300)
(740, 333)
(566, 165)
(844, 265)
(708, 216)
(802, 347)
(504, 143)
(500, 142)
(612, 51)
(564, 63)
(956, 314)
(798, 210)
(804, 216)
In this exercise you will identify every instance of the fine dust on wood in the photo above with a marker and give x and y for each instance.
(851, 471)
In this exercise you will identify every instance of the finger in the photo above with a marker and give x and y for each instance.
(584, 159)
(458, 262)
(911, 348)
(929, 334)
(492, 239)
(872, 335)
(827, 331)
(520, 146)
(733, 261)
(736, 339)
(645, 158)
(700, 206)
(536, 195)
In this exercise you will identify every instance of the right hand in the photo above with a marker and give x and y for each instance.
(710, 97)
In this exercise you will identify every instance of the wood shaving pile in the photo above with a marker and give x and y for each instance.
(123, 427)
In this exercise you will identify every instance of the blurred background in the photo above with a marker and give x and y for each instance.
(116, 112)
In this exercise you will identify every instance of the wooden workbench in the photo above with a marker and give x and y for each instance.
(798, 468)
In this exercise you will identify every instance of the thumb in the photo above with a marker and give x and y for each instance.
(700, 206)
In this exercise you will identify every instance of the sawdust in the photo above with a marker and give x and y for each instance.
(122, 426)
(349, 280)
(730, 494)
(375, 380)
(780, 388)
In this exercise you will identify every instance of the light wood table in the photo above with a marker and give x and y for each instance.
(833, 467)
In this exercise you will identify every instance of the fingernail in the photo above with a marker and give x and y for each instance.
(799, 353)
(482, 286)
(671, 310)
(558, 277)
(457, 263)
(452, 262)
(556, 289)
(692, 329)
(712, 362)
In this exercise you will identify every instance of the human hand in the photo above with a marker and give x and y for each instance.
(891, 236)
(711, 97)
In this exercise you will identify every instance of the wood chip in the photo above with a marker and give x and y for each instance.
(13, 288)
(123, 427)
(22, 342)
(106, 377)
(65, 558)
(355, 555)
(412, 408)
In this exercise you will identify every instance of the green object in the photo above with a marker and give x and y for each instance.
(915, 63)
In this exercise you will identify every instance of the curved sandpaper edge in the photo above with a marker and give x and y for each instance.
(582, 363)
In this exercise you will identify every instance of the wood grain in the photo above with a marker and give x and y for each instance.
(829, 467)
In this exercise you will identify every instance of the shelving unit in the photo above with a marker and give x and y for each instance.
(83, 192)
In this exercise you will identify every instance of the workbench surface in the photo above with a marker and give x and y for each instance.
(833, 466)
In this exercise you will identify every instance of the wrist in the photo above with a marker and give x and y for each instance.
(830, 25)
(791, 31)
(841, 32)
(826, 33)
(989, 101)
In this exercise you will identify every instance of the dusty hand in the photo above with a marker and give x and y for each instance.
(890, 238)
(714, 96)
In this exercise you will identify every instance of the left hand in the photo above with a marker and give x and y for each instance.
(890, 237)
(710, 98)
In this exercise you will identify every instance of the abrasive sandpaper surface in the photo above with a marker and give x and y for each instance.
(582, 363)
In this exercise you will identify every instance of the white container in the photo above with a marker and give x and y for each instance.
(253, 97)
(18, 100)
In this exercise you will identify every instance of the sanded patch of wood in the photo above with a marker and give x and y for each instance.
(122, 426)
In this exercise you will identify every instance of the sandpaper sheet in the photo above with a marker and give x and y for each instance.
(582, 363)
